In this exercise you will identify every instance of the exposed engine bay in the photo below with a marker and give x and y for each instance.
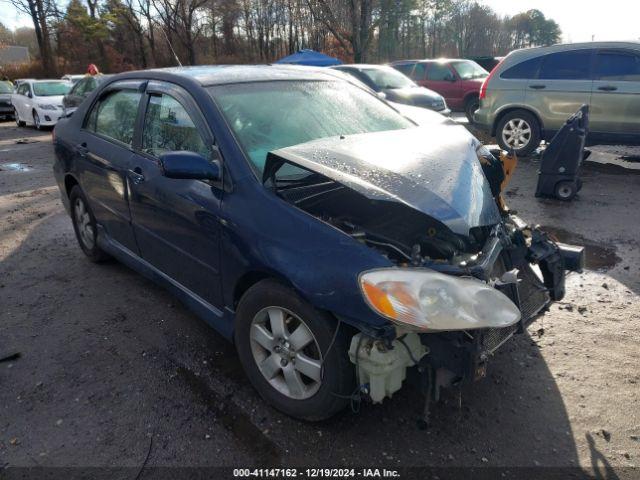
(402, 234)
(516, 259)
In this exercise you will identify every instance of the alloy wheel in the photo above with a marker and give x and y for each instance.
(36, 120)
(16, 116)
(286, 352)
(517, 133)
(83, 222)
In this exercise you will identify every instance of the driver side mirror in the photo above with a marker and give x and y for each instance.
(381, 95)
(190, 165)
(29, 94)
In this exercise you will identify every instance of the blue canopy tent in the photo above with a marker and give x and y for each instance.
(311, 58)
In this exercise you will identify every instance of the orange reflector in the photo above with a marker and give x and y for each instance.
(378, 299)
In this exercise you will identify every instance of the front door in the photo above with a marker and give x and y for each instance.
(23, 105)
(176, 221)
(615, 100)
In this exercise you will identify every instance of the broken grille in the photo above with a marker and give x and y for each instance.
(493, 338)
(533, 294)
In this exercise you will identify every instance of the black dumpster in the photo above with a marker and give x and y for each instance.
(561, 161)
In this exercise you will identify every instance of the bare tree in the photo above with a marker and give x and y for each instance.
(181, 19)
(41, 13)
(351, 23)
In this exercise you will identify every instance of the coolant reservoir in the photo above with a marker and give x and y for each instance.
(384, 369)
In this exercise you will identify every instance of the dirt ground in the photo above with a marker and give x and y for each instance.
(114, 372)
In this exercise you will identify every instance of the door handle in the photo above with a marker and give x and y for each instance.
(82, 149)
(537, 87)
(136, 175)
(607, 88)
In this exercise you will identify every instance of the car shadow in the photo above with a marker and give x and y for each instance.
(513, 418)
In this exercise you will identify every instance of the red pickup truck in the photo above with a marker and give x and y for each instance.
(457, 80)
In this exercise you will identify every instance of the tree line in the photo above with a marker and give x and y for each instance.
(121, 35)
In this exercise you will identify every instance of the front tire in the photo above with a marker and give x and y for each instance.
(283, 342)
(84, 225)
(19, 122)
(519, 131)
(36, 121)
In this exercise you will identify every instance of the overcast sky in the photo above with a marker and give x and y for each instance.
(578, 19)
(582, 19)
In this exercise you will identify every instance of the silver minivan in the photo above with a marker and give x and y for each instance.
(532, 92)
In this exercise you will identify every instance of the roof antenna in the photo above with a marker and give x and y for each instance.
(170, 47)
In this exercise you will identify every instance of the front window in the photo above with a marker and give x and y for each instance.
(387, 78)
(266, 116)
(50, 89)
(168, 127)
(469, 70)
(439, 72)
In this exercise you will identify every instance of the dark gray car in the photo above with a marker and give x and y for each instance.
(396, 87)
(80, 91)
(6, 108)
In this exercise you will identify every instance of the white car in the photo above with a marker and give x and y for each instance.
(39, 102)
(73, 78)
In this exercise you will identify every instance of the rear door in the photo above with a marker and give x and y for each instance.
(103, 153)
(615, 100)
(562, 87)
(176, 221)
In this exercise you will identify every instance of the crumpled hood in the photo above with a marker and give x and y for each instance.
(432, 169)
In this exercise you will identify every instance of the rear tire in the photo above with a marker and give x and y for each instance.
(470, 107)
(519, 131)
(84, 224)
(271, 320)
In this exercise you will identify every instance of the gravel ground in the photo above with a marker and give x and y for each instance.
(114, 372)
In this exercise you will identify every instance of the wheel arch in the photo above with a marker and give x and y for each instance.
(513, 108)
(253, 277)
(469, 96)
(69, 182)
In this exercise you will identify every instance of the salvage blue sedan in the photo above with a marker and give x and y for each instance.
(337, 240)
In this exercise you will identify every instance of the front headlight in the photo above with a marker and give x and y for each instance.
(46, 106)
(428, 300)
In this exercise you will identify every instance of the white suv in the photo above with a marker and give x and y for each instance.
(39, 102)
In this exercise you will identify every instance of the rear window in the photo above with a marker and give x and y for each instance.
(523, 70)
(114, 116)
(406, 68)
(573, 65)
(418, 71)
(617, 66)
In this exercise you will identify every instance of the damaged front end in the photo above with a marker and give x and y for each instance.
(467, 274)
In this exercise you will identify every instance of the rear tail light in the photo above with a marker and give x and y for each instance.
(483, 88)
